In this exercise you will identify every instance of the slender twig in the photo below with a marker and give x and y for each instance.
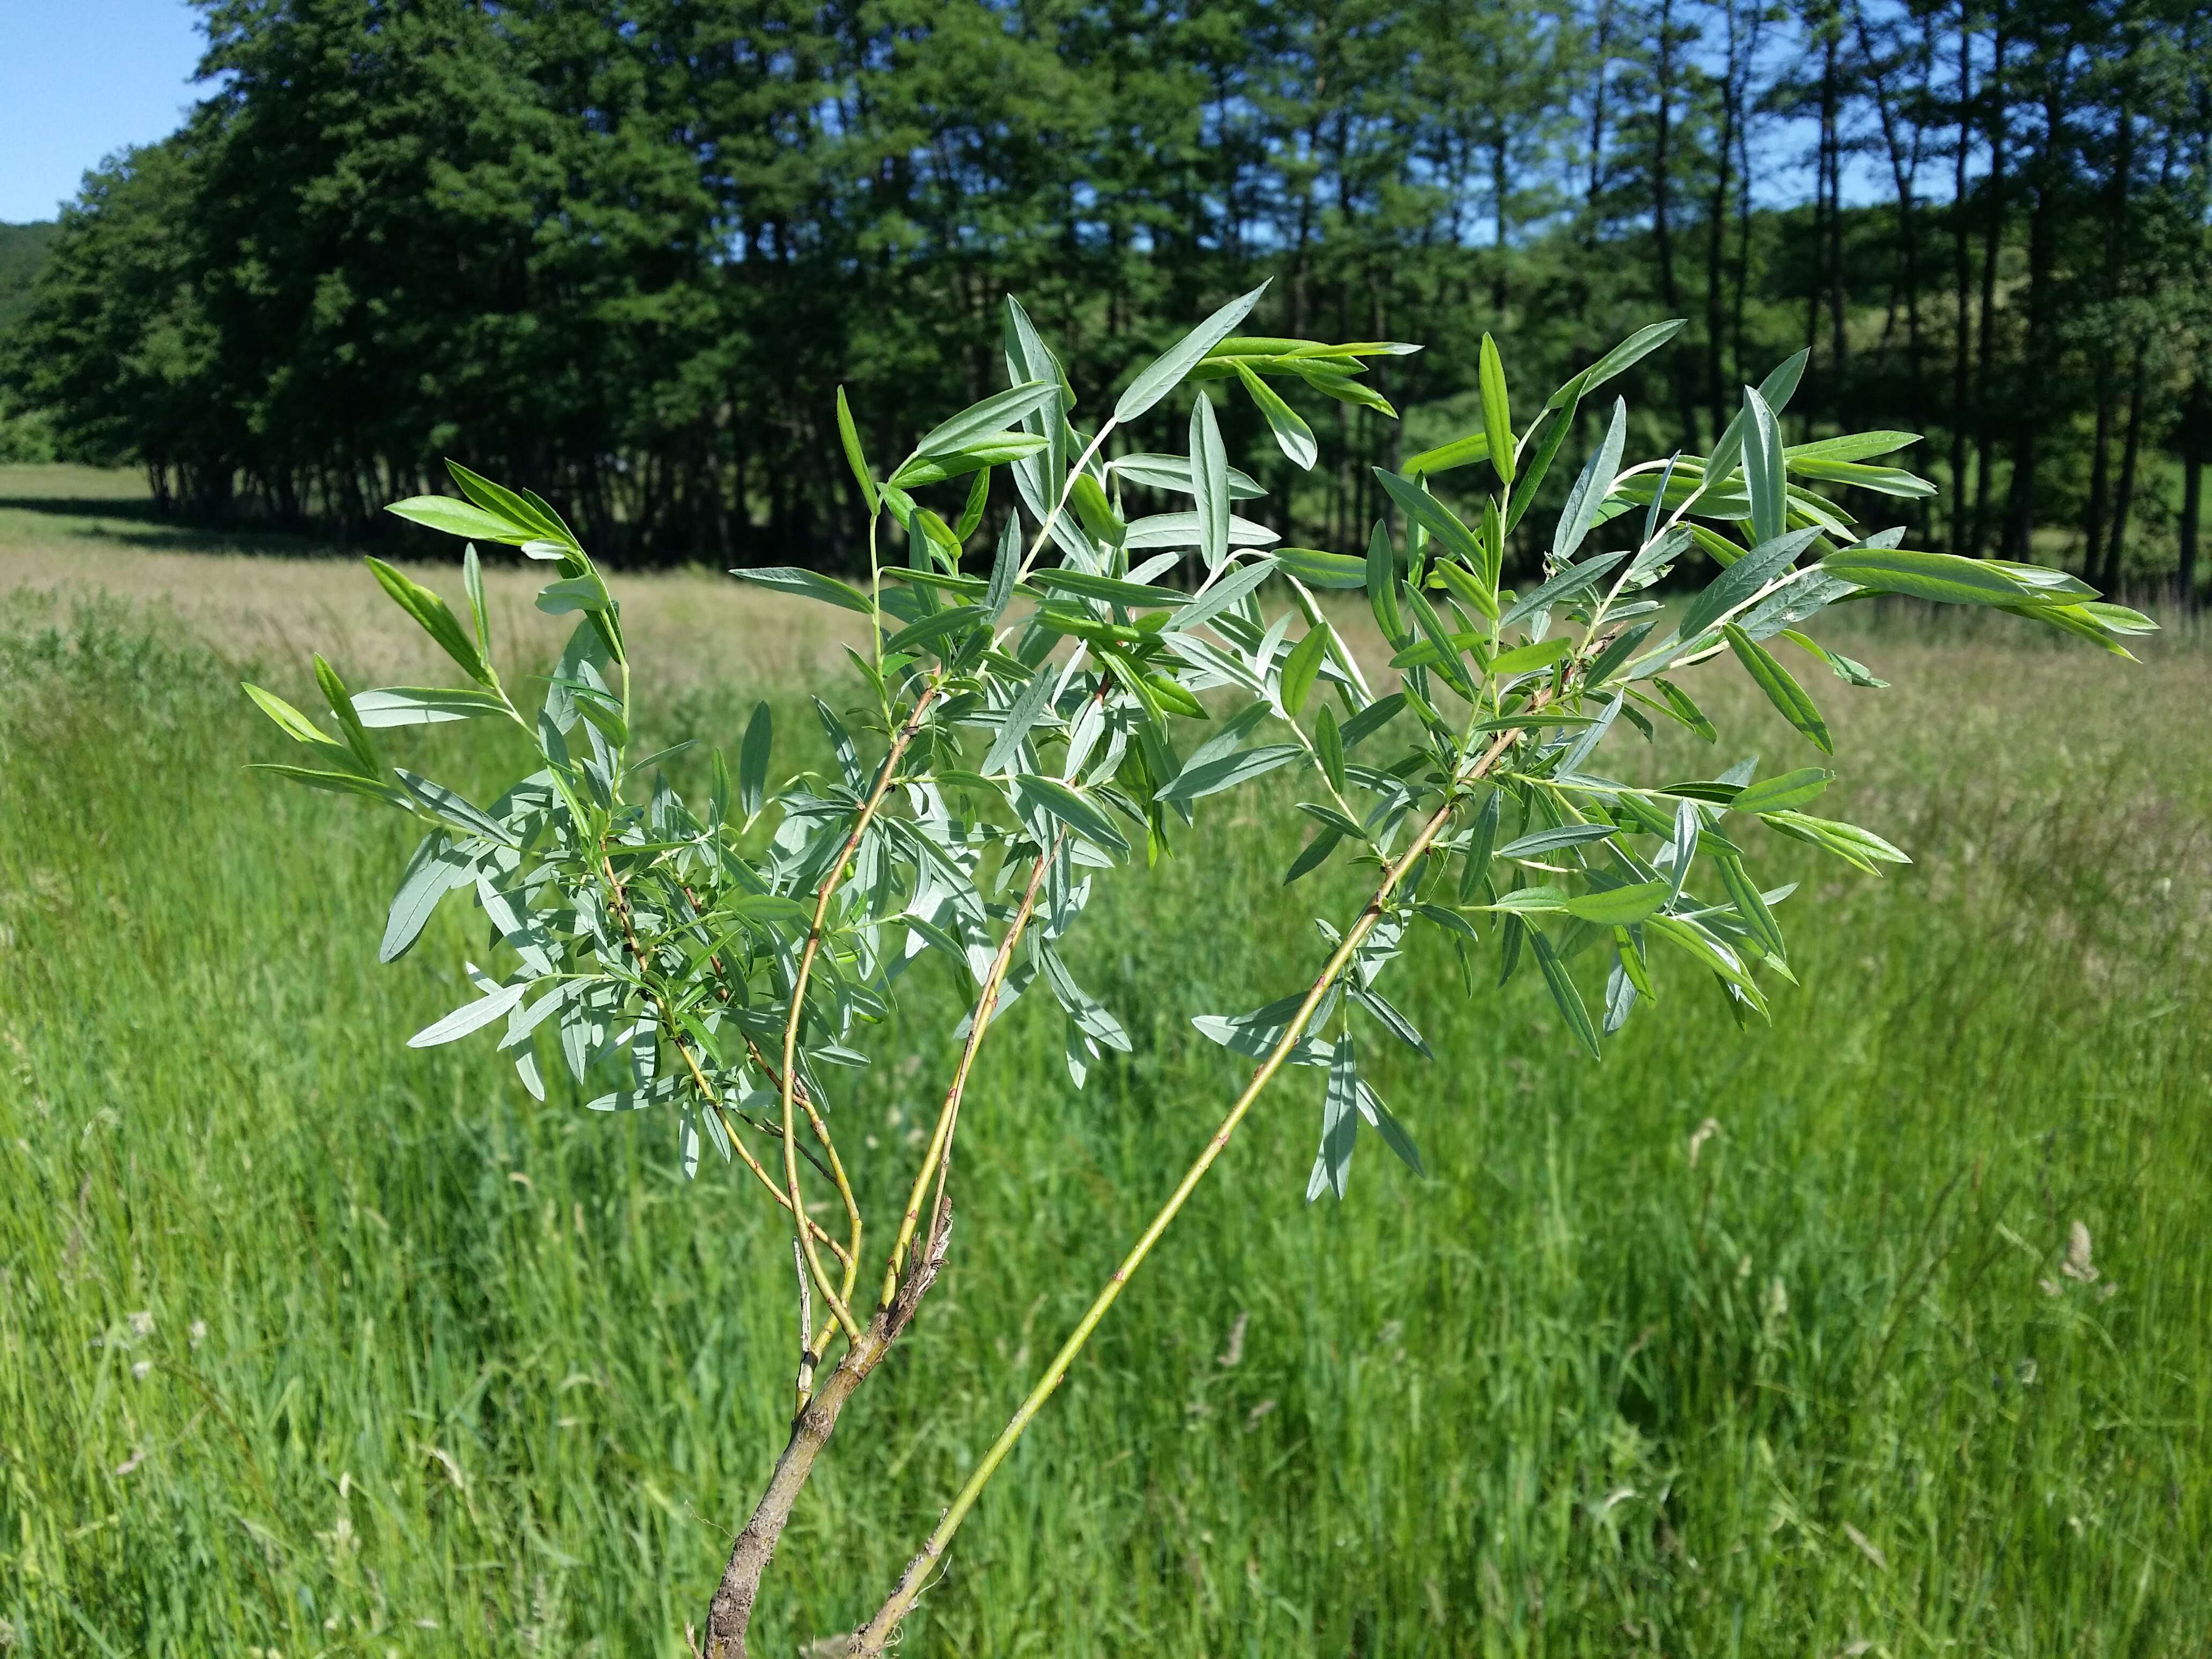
(937, 1157)
(806, 1356)
(787, 1085)
(872, 1637)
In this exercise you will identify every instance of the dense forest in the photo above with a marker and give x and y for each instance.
(626, 250)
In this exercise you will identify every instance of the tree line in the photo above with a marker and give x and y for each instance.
(627, 251)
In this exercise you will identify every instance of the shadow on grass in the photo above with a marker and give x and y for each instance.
(140, 523)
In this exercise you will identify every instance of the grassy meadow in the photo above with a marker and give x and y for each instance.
(1764, 1343)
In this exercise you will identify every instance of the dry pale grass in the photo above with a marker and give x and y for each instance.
(1985, 705)
(271, 600)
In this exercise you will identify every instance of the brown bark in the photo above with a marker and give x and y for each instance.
(732, 1609)
(730, 1613)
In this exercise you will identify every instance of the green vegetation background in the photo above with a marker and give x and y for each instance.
(1754, 1344)
(624, 254)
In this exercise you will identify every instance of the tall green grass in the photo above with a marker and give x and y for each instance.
(312, 1344)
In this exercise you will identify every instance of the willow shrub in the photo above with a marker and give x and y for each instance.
(719, 961)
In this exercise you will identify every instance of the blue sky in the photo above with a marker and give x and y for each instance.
(80, 79)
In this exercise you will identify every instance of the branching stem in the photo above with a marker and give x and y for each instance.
(787, 1085)
(871, 1638)
(938, 1157)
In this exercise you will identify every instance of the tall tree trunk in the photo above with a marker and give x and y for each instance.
(2116, 242)
(1753, 27)
(2124, 504)
(1603, 50)
(1663, 163)
(2100, 470)
(1716, 224)
(1830, 100)
(1903, 168)
(1993, 219)
(1962, 279)
(2030, 407)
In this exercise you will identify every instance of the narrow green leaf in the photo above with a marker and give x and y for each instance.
(988, 419)
(343, 783)
(1685, 709)
(1701, 944)
(1943, 577)
(1882, 480)
(1328, 747)
(753, 759)
(1004, 568)
(1738, 585)
(1764, 470)
(1383, 585)
(1619, 907)
(1190, 529)
(1340, 1123)
(454, 808)
(1591, 487)
(1468, 588)
(1161, 375)
(1449, 663)
(1077, 811)
(1497, 412)
(1105, 526)
(415, 705)
(1852, 447)
(431, 615)
(1300, 667)
(1172, 473)
(1211, 777)
(1292, 435)
(294, 724)
(1782, 793)
(1223, 594)
(435, 870)
(1318, 569)
(1529, 658)
(1637, 346)
(1432, 515)
(1750, 904)
(1372, 718)
(1538, 842)
(808, 584)
(520, 509)
(849, 435)
(586, 592)
(1135, 596)
(990, 449)
(470, 1018)
(341, 702)
(1522, 496)
(459, 518)
(1564, 993)
(1209, 476)
(1314, 854)
(1784, 692)
(1459, 451)
(971, 515)
(1575, 578)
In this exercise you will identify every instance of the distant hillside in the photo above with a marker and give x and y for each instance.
(24, 250)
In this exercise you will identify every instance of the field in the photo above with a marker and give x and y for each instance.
(1887, 1330)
